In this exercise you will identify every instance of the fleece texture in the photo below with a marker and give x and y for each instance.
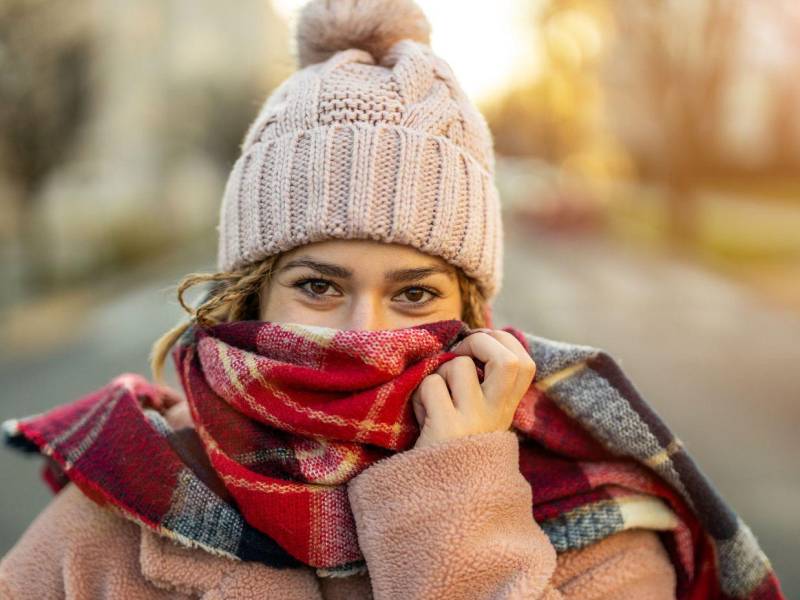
(462, 529)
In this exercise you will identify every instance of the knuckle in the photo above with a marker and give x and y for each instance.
(430, 382)
(462, 362)
(506, 336)
(510, 361)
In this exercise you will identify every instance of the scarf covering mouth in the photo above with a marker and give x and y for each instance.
(286, 414)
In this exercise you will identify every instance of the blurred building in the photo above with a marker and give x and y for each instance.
(120, 123)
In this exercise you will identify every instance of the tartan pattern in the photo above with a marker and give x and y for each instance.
(286, 414)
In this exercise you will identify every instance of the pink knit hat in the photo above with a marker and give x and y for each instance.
(372, 138)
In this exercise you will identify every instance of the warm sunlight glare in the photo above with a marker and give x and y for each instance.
(488, 44)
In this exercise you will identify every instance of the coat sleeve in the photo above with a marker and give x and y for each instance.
(74, 549)
(454, 520)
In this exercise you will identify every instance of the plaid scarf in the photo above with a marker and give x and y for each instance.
(285, 415)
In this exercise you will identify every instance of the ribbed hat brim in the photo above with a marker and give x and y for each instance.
(362, 181)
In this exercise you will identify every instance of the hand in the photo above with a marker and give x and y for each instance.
(148, 394)
(452, 403)
(179, 416)
(161, 398)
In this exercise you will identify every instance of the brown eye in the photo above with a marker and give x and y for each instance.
(314, 288)
(319, 287)
(417, 296)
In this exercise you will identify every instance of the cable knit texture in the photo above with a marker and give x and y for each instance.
(378, 141)
(450, 520)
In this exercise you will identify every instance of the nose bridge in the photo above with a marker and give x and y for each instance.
(366, 311)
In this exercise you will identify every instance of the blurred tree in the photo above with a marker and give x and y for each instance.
(666, 76)
(785, 129)
(628, 82)
(44, 95)
(555, 113)
(558, 113)
(118, 124)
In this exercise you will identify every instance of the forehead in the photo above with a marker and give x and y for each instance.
(355, 252)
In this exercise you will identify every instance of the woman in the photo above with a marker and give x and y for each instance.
(360, 248)
(464, 449)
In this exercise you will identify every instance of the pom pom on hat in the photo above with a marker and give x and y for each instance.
(325, 27)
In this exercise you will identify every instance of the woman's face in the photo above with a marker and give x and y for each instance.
(360, 284)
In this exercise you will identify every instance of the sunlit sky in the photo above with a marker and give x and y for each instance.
(487, 44)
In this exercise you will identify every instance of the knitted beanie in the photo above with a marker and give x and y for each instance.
(372, 138)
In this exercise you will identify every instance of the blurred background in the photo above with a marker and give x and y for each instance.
(648, 161)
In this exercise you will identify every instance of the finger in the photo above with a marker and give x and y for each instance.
(527, 367)
(179, 416)
(434, 397)
(169, 396)
(510, 341)
(419, 409)
(461, 377)
(159, 397)
(501, 364)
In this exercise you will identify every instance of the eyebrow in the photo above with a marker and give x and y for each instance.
(396, 276)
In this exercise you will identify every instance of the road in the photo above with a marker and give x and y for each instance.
(716, 362)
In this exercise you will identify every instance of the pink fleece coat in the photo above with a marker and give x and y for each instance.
(452, 520)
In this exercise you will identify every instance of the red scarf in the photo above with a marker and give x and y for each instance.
(286, 415)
